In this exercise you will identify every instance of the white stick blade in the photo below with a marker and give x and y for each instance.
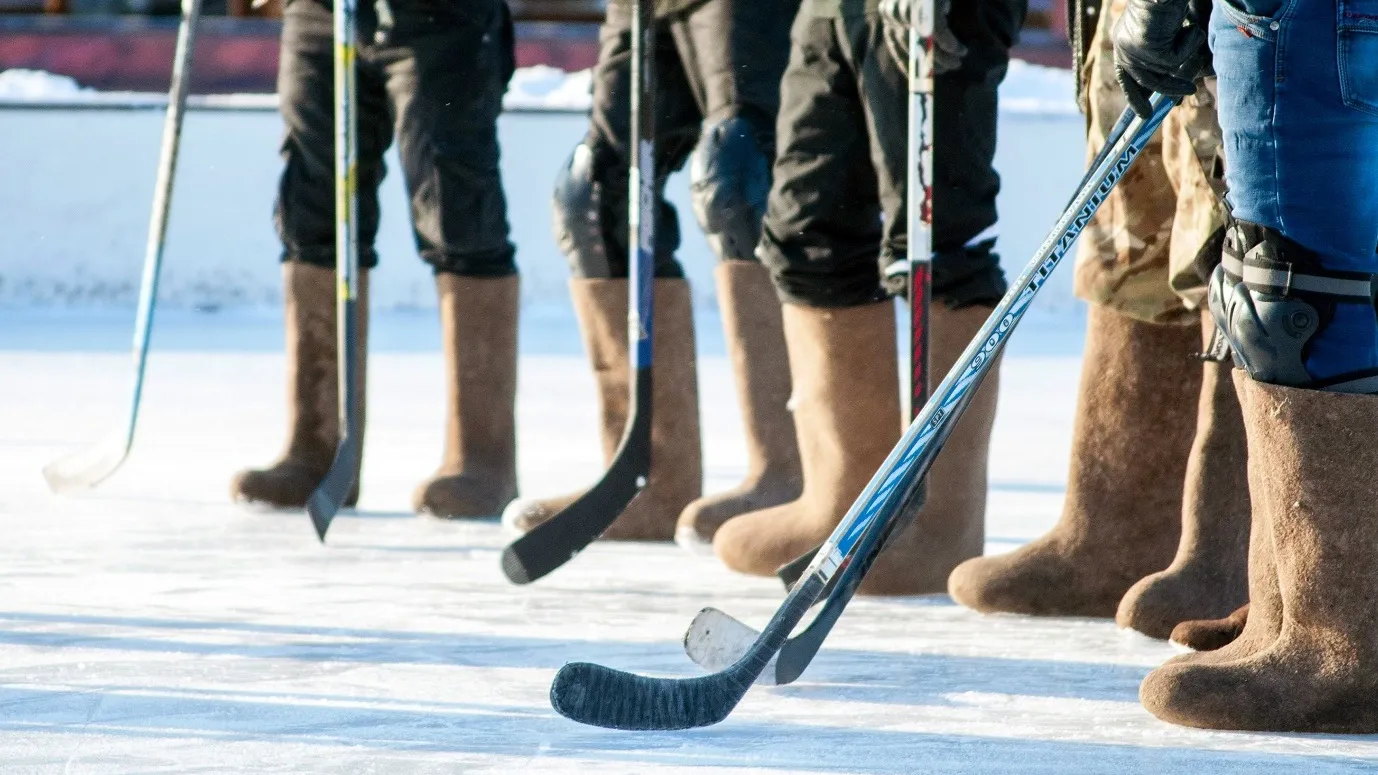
(87, 467)
(715, 641)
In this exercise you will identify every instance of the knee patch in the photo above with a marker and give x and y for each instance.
(729, 177)
(1273, 301)
(578, 220)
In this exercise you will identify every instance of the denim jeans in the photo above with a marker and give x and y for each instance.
(1298, 84)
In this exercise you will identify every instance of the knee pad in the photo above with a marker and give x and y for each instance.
(1273, 302)
(577, 215)
(729, 174)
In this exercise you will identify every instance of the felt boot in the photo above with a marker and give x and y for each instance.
(1209, 577)
(756, 345)
(951, 526)
(1311, 460)
(1121, 519)
(847, 418)
(312, 391)
(676, 476)
(1211, 634)
(478, 472)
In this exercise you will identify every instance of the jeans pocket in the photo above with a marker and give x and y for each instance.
(1261, 27)
(1358, 54)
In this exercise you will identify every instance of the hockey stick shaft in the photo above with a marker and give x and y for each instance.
(557, 540)
(178, 89)
(330, 494)
(863, 529)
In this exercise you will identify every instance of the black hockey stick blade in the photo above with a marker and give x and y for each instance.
(330, 494)
(555, 541)
(613, 699)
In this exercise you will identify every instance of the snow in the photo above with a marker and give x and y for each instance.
(151, 626)
(1027, 89)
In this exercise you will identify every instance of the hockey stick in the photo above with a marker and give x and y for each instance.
(90, 466)
(555, 541)
(601, 696)
(715, 639)
(791, 571)
(919, 228)
(330, 494)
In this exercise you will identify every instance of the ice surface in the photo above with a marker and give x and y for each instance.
(153, 627)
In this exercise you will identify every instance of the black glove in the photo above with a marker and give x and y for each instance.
(1158, 47)
(947, 50)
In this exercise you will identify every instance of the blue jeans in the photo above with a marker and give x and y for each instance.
(1298, 84)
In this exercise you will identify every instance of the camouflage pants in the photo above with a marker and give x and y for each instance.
(1138, 256)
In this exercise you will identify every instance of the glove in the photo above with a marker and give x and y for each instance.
(894, 20)
(1158, 47)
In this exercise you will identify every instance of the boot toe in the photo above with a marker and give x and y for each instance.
(284, 486)
(758, 543)
(522, 515)
(459, 497)
(1036, 580)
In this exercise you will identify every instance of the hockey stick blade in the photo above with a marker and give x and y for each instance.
(604, 697)
(330, 494)
(87, 467)
(715, 640)
(555, 541)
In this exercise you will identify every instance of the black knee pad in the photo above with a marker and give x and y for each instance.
(578, 220)
(729, 176)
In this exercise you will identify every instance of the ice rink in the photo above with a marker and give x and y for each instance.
(152, 626)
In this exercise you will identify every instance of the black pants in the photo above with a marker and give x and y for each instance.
(436, 79)
(837, 207)
(718, 59)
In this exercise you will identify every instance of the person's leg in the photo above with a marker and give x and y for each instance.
(820, 238)
(1122, 515)
(446, 75)
(305, 218)
(591, 225)
(734, 54)
(1300, 126)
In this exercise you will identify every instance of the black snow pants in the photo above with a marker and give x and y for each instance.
(716, 61)
(435, 75)
(837, 207)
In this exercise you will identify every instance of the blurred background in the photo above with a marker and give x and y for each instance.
(127, 44)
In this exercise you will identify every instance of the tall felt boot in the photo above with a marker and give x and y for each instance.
(676, 476)
(951, 526)
(478, 473)
(756, 344)
(1121, 519)
(312, 391)
(1209, 577)
(847, 418)
(1311, 460)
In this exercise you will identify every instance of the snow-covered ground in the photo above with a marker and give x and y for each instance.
(152, 626)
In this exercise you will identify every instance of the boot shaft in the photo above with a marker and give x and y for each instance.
(478, 321)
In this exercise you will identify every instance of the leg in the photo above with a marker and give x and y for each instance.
(591, 222)
(734, 53)
(1310, 450)
(305, 216)
(820, 238)
(446, 89)
(967, 280)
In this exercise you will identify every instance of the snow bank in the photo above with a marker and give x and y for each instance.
(77, 187)
(1029, 89)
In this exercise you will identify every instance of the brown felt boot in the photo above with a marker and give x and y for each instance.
(1121, 519)
(676, 476)
(951, 527)
(312, 391)
(1211, 634)
(1311, 460)
(847, 418)
(756, 344)
(1209, 577)
(478, 473)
